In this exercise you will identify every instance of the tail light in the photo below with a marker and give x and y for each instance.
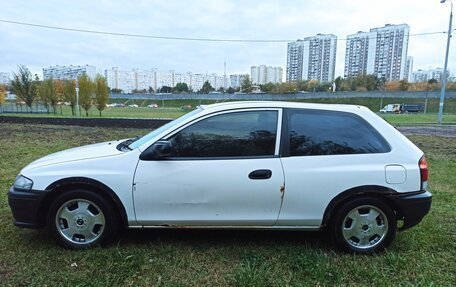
(424, 172)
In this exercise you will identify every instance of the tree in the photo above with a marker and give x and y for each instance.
(312, 85)
(116, 91)
(207, 88)
(69, 94)
(181, 87)
(151, 90)
(165, 89)
(432, 84)
(246, 84)
(2, 94)
(268, 87)
(24, 87)
(86, 92)
(403, 85)
(231, 90)
(101, 93)
(58, 90)
(46, 93)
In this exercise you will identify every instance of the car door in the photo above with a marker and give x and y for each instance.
(224, 169)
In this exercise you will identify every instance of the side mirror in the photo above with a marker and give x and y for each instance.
(157, 151)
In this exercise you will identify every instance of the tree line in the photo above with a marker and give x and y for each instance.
(362, 83)
(51, 92)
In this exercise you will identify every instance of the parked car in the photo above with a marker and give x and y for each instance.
(258, 165)
(402, 108)
(133, 106)
(186, 107)
(412, 108)
(152, 106)
(391, 108)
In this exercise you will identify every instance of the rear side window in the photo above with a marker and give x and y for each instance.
(315, 132)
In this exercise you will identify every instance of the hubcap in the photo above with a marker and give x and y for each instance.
(365, 226)
(80, 221)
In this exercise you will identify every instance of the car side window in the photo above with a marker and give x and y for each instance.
(330, 132)
(236, 134)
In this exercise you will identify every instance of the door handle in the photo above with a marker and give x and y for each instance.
(260, 174)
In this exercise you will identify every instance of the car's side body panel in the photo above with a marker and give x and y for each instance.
(115, 171)
(207, 192)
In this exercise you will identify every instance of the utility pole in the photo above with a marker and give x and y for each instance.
(444, 76)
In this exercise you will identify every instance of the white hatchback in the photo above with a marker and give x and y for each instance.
(256, 165)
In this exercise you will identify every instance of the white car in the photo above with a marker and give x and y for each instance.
(152, 106)
(255, 165)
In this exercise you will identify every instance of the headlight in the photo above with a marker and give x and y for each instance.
(23, 183)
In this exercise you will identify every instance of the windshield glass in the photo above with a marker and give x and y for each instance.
(161, 129)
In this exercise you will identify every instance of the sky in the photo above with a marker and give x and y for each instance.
(221, 19)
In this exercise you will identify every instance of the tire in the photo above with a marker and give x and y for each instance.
(364, 225)
(80, 219)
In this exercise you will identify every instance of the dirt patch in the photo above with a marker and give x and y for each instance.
(446, 131)
(88, 122)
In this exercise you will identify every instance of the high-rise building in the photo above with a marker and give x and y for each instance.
(5, 78)
(360, 54)
(295, 53)
(263, 74)
(68, 72)
(420, 76)
(426, 75)
(408, 68)
(381, 52)
(138, 80)
(237, 80)
(313, 58)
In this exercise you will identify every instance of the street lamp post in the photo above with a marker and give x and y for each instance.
(443, 81)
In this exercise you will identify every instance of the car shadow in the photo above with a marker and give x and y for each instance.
(224, 237)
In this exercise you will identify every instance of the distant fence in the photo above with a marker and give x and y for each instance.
(37, 108)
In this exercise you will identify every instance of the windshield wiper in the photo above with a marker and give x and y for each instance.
(125, 144)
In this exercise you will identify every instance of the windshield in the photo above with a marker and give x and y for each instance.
(161, 129)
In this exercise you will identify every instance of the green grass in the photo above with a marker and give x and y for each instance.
(417, 118)
(422, 256)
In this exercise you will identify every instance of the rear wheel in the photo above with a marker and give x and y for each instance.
(81, 219)
(364, 225)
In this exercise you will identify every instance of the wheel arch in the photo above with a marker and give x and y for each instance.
(61, 185)
(377, 191)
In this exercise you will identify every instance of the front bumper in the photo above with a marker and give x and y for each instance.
(25, 206)
(412, 206)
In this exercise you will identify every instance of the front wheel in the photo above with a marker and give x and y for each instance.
(364, 225)
(81, 219)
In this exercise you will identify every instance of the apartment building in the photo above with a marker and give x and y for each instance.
(381, 52)
(313, 58)
(68, 72)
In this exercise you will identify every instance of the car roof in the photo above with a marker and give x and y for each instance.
(281, 104)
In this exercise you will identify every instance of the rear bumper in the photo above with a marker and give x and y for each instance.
(25, 207)
(412, 206)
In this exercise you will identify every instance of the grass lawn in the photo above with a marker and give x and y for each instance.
(424, 255)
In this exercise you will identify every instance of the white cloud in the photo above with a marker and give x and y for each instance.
(231, 19)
